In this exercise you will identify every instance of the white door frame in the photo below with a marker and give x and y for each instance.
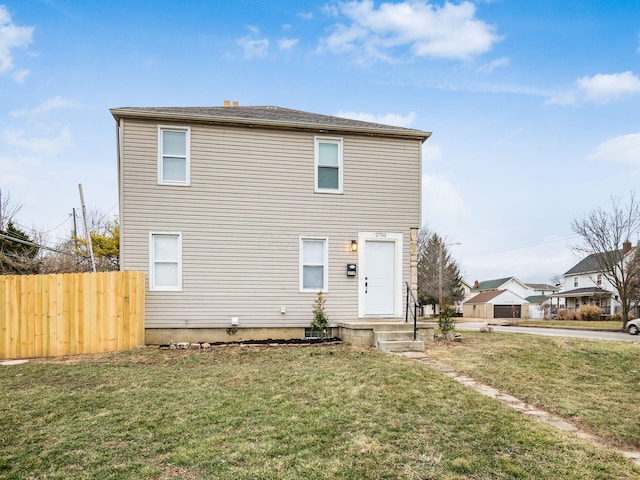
(397, 239)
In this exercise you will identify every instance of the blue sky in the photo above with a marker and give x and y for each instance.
(534, 105)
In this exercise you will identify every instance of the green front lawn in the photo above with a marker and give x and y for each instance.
(272, 413)
(600, 325)
(592, 383)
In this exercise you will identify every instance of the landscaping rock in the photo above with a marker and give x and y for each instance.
(194, 346)
(206, 345)
(182, 345)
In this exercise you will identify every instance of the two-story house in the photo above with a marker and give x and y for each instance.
(240, 215)
(508, 297)
(585, 284)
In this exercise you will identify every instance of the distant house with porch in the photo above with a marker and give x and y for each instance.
(586, 284)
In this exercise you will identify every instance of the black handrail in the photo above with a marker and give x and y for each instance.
(414, 312)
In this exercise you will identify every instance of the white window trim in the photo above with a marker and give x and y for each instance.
(152, 276)
(175, 128)
(325, 280)
(338, 141)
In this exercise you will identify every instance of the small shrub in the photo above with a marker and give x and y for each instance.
(446, 322)
(566, 315)
(630, 317)
(589, 313)
(617, 317)
(320, 321)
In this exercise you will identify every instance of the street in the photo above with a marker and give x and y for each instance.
(550, 332)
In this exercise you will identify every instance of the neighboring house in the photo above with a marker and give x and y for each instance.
(467, 294)
(537, 306)
(540, 302)
(240, 215)
(543, 288)
(496, 304)
(431, 311)
(508, 283)
(585, 284)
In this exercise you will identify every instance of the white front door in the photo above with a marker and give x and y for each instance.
(380, 278)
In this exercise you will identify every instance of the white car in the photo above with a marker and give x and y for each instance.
(633, 326)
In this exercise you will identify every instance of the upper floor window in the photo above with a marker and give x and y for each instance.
(173, 155)
(328, 165)
(599, 279)
(575, 282)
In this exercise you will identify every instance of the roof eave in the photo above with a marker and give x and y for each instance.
(119, 113)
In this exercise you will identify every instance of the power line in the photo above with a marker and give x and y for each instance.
(43, 247)
(521, 245)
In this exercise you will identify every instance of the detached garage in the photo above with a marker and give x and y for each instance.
(495, 304)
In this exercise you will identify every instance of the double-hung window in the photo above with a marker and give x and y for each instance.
(173, 155)
(328, 165)
(313, 264)
(165, 261)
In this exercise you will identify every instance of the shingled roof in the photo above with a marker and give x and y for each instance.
(591, 263)
(491, 284)
(485, 296)
(268, 116)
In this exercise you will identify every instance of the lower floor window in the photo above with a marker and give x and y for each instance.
(313, 264)
(165, 261)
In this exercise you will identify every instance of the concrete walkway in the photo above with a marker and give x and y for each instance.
(521, 405)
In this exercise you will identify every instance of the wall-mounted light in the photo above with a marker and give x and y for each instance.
(354, 245)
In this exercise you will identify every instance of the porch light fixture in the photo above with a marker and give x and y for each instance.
(354, 245)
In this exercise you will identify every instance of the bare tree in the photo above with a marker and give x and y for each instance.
(604, 234)
(8, 210)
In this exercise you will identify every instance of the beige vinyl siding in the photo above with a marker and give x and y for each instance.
(251, 198)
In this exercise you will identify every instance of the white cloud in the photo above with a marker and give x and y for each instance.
(330, 10)
(604, 88)
(386, 119)
(620, 149)
(306, 15)
(21, 75)
(492, 65)
(254, 48)
(40, 145)
(442, 204)
(600, 88)
(11, 37)
(449, 31)
(287, 43)
(254, 45)
(55, 103)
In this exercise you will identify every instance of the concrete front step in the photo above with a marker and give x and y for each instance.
(386, 335)
(396, 346)
(395, 340)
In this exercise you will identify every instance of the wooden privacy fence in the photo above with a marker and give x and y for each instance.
(71, 313)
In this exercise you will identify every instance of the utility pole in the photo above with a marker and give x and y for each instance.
(75, 228)
(86, 229)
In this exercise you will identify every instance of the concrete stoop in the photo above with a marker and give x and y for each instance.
(397, 340)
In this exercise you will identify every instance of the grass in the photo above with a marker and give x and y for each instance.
(271, 413)
(592, 383)
(598, 325)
